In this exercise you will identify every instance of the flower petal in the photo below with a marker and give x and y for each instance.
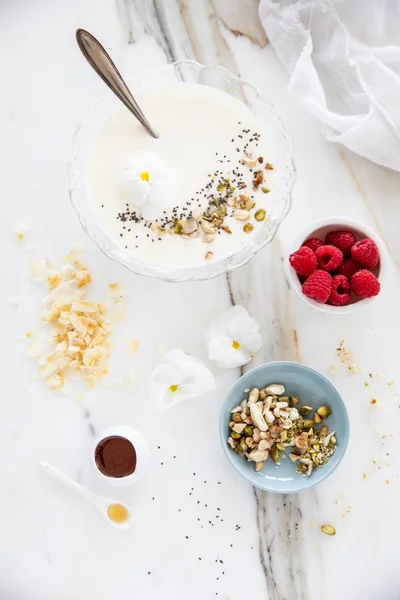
(166, 374)
(223, 353)
(241, 324)
(252, 342)
(234, 325)
(179, 368)
(164, 399)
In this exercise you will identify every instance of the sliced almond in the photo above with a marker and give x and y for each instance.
(257, 417)
(275, 388)
(207, 227)
(249, 161)
(241, 215)
(258, 455)
(239, 427)
(254, 395)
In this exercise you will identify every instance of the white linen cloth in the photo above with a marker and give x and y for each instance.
(343, 57)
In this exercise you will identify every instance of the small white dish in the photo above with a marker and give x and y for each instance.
(142, 449)
(105, 505)
(320, 229)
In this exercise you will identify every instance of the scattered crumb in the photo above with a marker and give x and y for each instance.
(390, 383)
(343, 354)
(364, 476)
(160, 350)
(115, 290)
(366, 383)
(20, 230)
(373, 401)
(387, 481)
(80, 398)
(133, 346)
(333, 369)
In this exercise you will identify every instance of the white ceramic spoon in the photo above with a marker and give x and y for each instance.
(101, 503)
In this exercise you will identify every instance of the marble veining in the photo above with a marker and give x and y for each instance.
(200, 531)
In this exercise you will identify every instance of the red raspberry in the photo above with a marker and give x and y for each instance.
(318, 286)
(365, 284)
(340, 293)
(348, 268)
(329, 258)
(313, 243)
(366, 253)
(342, 239)
(303, 261)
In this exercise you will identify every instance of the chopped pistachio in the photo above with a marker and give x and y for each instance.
(317, 418)
(265, 190)
(274, 453)
(324, 412)
(248, 228)
(178, 227)
(284, 436)
(260, 215)
(323, 432)
(243, 445)
(304, 410)
(328, 529)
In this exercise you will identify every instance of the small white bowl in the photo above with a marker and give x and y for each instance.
(142, 450)
(320, 229)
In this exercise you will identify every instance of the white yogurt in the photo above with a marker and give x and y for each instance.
(204, 134)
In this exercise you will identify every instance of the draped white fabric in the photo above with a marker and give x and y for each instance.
(343, 57)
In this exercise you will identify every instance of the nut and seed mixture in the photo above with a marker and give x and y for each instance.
(229, 191)
(268, 422)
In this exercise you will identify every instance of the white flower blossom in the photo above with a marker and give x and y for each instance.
(233, 338)
(147, 184)
(179, 377)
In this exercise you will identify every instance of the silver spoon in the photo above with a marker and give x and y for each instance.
(101, 62)
(105, 505)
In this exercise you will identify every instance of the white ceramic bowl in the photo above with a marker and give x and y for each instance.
(319, 229)
(142, 450)
(174, 74)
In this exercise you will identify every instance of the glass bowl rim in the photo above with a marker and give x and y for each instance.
(220, 267)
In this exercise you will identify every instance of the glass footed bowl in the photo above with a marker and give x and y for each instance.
(176, 73)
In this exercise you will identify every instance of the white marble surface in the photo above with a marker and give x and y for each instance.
(52, 545)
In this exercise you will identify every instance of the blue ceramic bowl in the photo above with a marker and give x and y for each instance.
(313, 389)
